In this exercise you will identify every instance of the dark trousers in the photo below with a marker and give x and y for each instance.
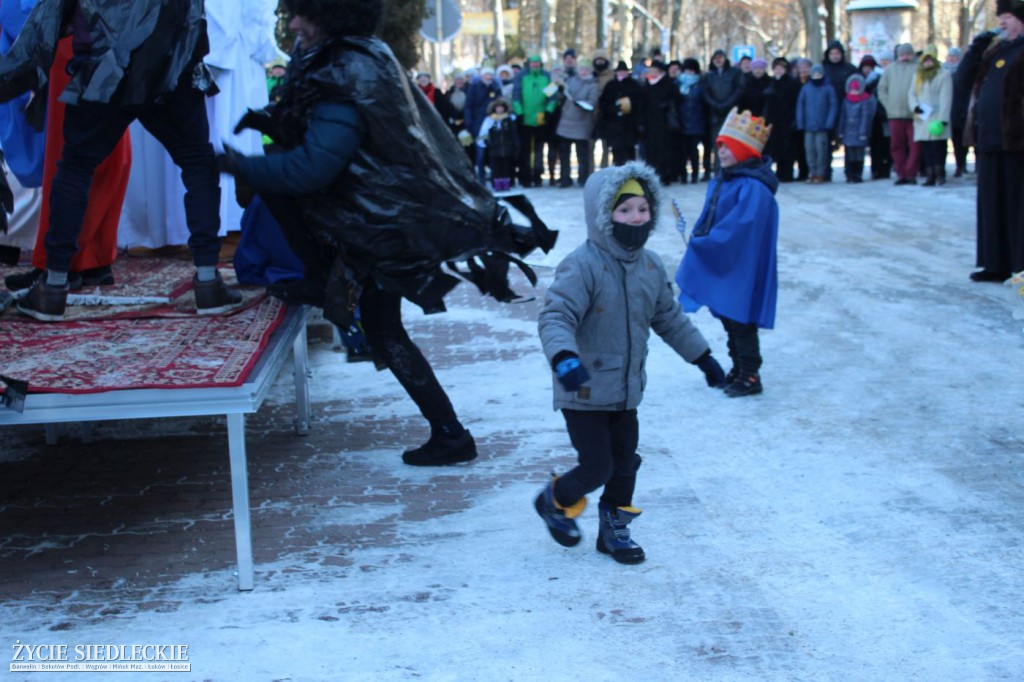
(623, 153)
(584, 157)
(531, 154)
(605, 444)
(92, 130)
(933, 154)
(1000, 211)
(959, 148)
(381, 314)
(744, 346)
(691, 156)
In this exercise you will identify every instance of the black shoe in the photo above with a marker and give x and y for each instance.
(96, 277)
(43, 302)
(749, 384)
(214, 297)
(439, 451)
(990, 276)
(564, 183)
(22, 280)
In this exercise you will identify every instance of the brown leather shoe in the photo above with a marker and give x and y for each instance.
(44, 302)
(214, 297)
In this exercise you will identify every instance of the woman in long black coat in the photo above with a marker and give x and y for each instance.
(785, 140)
(660, 120)
(621, 105)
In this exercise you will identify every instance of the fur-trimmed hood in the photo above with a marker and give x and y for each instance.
(599, 197)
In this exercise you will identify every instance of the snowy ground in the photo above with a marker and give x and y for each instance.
(863, 519)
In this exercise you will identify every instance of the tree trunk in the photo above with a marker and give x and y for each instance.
(812, 22)
(931, 22)
(675, 28)
(601, 9)
(831, 23)
(545, 28)
(499, 32)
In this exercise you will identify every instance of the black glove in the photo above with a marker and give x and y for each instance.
(227, 161)
(571, 373)
(258, 120)
(713, 373)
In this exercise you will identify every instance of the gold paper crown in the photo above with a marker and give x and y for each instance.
(746, 128)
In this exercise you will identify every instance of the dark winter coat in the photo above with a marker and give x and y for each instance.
(817, 108)
(780, 112)
(127, 53)
(620, 128)
(755, 94)
(406, 201)
(692, 112)
(722, 91)
(837, 73)
(660, 121)
(479, 96)
(999, 93)
(855, 121)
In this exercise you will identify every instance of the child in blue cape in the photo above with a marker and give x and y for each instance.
(730, 265)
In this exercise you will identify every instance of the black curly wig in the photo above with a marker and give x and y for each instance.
(340, 17)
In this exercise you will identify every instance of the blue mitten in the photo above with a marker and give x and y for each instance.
(571, 373)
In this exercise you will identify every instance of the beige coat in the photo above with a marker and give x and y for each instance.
(892, 88)
(938, 94)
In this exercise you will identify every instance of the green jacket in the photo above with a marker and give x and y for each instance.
(528, 98)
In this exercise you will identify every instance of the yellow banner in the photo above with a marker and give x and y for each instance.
(482, 23)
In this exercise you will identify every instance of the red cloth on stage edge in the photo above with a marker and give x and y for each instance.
(97, 243)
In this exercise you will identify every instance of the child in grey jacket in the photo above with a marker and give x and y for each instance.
(598, 313)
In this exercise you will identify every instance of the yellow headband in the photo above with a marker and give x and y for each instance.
(631, 187)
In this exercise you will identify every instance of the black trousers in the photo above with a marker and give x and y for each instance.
(584, 157)
(691, 155)
(381, 314)
(531, 154)
(92, 130)
(744, 345)
(605, 444)
(1000, 211)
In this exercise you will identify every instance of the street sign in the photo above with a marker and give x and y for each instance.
(451, 21)
(741, 51)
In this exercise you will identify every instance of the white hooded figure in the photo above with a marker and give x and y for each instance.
(241, 42)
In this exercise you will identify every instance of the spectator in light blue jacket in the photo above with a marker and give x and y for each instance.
(816, 114)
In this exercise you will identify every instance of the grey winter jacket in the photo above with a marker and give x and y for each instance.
(605, 300)
(577, 123)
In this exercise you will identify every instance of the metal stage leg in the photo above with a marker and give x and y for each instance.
(300, 354)
(240, 498)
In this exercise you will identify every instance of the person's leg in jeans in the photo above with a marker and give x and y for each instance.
(91, 131)
(180, 124)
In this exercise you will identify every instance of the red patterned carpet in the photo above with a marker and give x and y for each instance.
(154, 345)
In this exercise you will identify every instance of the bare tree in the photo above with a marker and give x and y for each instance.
(499, 32)
(812, 27)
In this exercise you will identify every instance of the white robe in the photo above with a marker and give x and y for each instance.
(241, 43)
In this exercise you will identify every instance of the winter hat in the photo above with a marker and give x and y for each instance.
(1014, 7)
(622, 66)
(630, 188)
(658, 64)
(855, 84)
(780, 61)
(691, 64)
(904, 48)
(569, 53)
(868, 60)
(504, 68)
(817, 71)
(717, 52)
(954, 52)
(744, 134)
(534, 58)
(758, 64)
(486, 70)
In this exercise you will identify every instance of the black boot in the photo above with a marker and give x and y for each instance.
(561, 521)
(613, 534)
(858, 171)
(940, 175)
(441, 450)
(931, 176)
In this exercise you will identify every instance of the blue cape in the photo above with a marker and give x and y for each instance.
(730, 265)
(23, 146)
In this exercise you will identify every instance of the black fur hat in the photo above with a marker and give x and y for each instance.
(1014, 7)
(340, 17)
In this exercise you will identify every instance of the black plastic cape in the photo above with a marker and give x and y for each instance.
(409, 201)
(139, 51)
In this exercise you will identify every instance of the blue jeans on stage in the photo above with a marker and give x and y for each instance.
(92, 130)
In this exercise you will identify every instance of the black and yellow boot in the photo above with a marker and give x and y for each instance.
(613, 536)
